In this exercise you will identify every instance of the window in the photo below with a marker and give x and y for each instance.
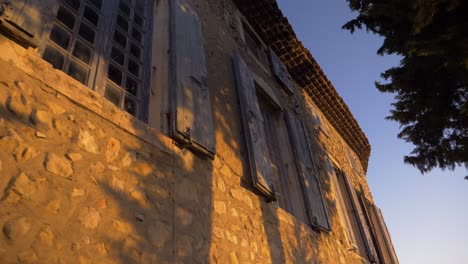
(254, 44)
(102, 43)
(285, 178)
(380, 235)
(352, 216)
(291, 179)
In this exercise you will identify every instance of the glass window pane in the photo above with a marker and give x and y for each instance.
(66, 17)
(140, 5)
(113, 94)
(124, 8)
(96, 3)
(75, 4)
(131, 86)
(135, 50)
(54, 57)
(80, 73)
(117, 55)
(86, 32)
(136, 34)
(120, 38)
(82, 52)
(134, 67)
(91, 15)
(115, 74)
(130, 105)
(122, 22)
(60, 36)
(138, 20)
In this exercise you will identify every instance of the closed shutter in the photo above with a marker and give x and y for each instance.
(315, 204)
(254, 129)
(24, 19)
(192, 121)
(281, 72)
(375, 230)
(383, 236)
(366, 235)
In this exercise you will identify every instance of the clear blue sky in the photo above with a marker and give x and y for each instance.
(427, 215)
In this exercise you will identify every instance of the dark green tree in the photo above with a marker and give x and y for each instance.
(431, 82)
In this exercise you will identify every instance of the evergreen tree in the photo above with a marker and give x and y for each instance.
(431, 82)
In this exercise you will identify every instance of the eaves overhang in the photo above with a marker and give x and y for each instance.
(275, 30)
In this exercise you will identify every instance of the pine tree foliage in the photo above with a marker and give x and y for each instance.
(431, 82)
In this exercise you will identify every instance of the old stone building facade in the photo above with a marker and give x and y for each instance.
(175, 131)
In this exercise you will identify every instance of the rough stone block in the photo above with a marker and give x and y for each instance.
(58, 165)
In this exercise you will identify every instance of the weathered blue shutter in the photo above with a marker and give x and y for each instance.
(383, 237)
(364, 229)
(192, 121)
(23, 19)
(281, 72)
(315, 203)
(254, 129)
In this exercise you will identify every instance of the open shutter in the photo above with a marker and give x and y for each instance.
(366, 235)
(383, 236)
(192, 121)
(23, 19)
(315, 203)
(281, 72)
(254, 130)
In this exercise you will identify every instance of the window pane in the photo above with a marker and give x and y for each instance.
(60, 36)
(134, 67)
(54, 57)
(140, 5)
(86, 32)
(113, 95)
(96, 3)
(78, 72)
(66, 17)
(136, 34)
(130, 105)
(82, 52)
(120, 38)
(91, 15)
(75, 4)
(138, 20)
(124, 8)
(135, 50)
(131, 86)
(117, 55)
(122, 22)
(115, 74)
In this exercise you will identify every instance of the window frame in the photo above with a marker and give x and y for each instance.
(97, 79)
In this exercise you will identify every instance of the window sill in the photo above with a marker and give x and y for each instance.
(28, 61)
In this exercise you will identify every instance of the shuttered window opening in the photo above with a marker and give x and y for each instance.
(105, 45)
(191, 114)
(311, 189)
(254, 44)
(254, 129)
(360, 233)
(381, 238)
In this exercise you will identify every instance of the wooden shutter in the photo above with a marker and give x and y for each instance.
(364, 229)
(23, 19)
(382, 237)
(314, 201)
(281, 72)
(192, 121)
(254, 129)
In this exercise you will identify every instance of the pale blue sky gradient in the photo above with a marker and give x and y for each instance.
(427, 215)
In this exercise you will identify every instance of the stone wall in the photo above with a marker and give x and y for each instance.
(84, 182)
